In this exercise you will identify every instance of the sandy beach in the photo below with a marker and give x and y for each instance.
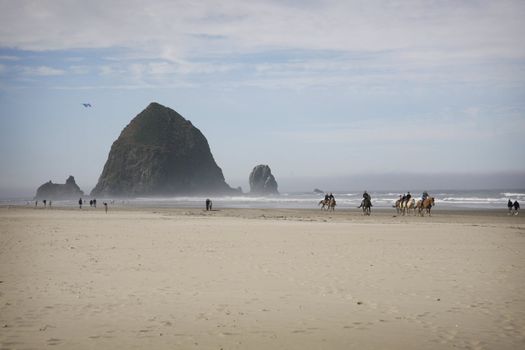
(260, 279)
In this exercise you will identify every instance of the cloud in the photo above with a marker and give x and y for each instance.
(43, 71)
(275, 44)
(182, 30)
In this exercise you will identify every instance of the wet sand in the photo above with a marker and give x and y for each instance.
(260, 278)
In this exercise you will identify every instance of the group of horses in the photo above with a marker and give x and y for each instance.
(403, 207)
(329, 204)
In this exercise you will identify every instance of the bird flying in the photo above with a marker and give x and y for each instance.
(86, 105)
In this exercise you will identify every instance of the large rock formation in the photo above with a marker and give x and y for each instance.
(262, 181)
(160, 153)
(68, 190)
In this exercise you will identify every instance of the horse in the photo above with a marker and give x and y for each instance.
(329, 204)
(410, 206)
(366, 204)
(426, 205)
(397, 205)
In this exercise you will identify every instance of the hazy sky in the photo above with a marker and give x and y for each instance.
(316, 89)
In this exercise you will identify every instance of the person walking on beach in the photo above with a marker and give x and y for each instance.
(366, 197)
(36, 204)
(106, 207)
(510, 206)
(95, 202)
(80, 203)
(45, 202)
(516, 206)
(208, 204)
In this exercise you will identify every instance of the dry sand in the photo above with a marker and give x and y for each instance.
(260, 279)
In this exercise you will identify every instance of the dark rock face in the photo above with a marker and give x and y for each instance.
(262, 181)
(68, 190)
(160, 153)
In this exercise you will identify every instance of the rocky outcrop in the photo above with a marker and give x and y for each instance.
(68, 190)
(160, 153)
(262, 181)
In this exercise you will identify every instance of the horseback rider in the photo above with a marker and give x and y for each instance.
(326, 197)
(408, 196)
(331, 196)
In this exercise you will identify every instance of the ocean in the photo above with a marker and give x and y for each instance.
(446, 199)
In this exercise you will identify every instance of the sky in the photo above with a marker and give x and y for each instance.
(329, 94)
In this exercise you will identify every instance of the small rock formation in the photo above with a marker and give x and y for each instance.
(262, 181)
(160, 153)
(68, 190)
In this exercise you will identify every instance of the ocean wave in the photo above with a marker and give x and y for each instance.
(513, 194)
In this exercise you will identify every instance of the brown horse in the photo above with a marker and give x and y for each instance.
(328, 204)
(425, 206)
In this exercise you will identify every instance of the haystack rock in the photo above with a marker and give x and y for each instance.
(262, 181)
(68, 190)
(160, 153)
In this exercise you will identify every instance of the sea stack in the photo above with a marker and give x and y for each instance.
(262, 181)
(160, 153)
(69, 190)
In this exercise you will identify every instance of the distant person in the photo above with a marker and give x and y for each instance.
(106, 207)
(516, 206)
(208, 204)
(80, 203)
(510, 205)
(326, 197)
(408, 196)
(366, 196)
(95, 202)
(90, 202)
(50, 204)
(331, 196)
(424, 196)
(45, 203)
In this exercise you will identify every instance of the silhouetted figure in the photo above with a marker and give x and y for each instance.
(516, 206)
(90, 202)
(331, 196)
(510, 205)
(45, 203)
(326, 197)
(80, 203)
(36, 204)
(106, 207)
(208, 204)
(50, 204)
(366, 197)
(95, 202)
